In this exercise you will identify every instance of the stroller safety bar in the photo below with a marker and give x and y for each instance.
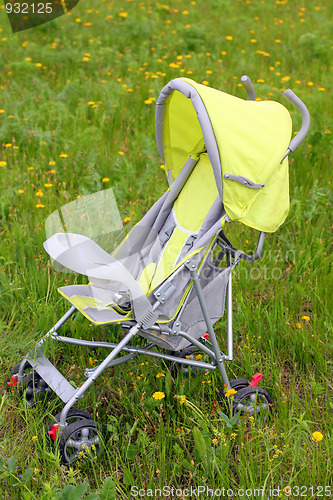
(296, 101)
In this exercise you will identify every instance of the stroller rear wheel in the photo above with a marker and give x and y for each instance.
(236, 384)
(250, 401)
(253, 402)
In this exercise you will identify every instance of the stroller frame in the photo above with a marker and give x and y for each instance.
(145, 322)
(58, 383)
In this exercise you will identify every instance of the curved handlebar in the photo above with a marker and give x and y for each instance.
(296, 141)
(246, 81)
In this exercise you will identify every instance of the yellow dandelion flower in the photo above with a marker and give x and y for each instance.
(77, 20)
(204, 82)
(91, 362)
(40, 205)
(327, 131)
(30, 168)
(123, 14)
(158, 395)
(228, 37)
(48, 185)
(28, 58)
(52, 171)
(182, 399)
(8, 145)
(306, 318)
(39, 193)
(21, 191)
(39, 65)
(3, 163)
(51, 162)
(105, 179)
(317, 436)
(127, 219)
(310, 84)
(159, 375)
(85, 58)
(2, 111)
(230, 392)
(63, 155)
(120, 153)
(298, 325)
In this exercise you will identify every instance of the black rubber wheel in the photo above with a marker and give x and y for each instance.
(239, 383)
(236, 384)
(79, 439)
(74, 415)
(31, 386)
(191, 352)
(253, 402)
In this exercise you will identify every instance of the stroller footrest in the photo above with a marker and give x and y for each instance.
(54, 379)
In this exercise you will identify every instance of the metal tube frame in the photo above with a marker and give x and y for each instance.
(214, 353)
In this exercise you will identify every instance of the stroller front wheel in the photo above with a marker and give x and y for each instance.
(31, 386)
(192, 353)
(80, 440)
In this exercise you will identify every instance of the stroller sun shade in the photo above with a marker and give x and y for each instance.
(245, 142)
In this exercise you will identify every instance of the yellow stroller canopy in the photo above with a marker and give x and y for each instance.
(245, 142)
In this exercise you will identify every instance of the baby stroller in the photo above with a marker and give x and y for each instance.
(226, 160)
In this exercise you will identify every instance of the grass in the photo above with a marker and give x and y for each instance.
(77, 105)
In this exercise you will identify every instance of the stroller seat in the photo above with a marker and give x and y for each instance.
(186, 216)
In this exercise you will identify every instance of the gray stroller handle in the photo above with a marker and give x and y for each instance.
(246, 81)
(296, 141)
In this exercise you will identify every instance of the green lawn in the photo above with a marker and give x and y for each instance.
(77, 116)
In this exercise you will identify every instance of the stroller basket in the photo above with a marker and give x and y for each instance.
(226, 159)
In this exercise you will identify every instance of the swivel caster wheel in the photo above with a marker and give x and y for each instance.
(78, 440)
(192, 353)
(31, 386)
